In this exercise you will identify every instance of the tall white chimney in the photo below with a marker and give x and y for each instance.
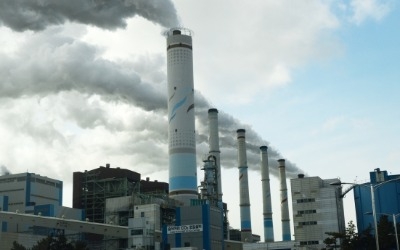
(214, 145)
(181, 127)
(245, 218)
(284, 202)
(266, 194)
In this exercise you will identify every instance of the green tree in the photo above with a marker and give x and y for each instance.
(17, 246)
(351, 240)
(386, 235)
(331, 241)
(58, 243)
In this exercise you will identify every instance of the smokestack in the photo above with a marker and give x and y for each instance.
(181, 132)
(214, 146)
(266, 192)
(245, 218)
(284, 202)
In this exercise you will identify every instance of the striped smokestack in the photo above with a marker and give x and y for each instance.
(246, 234)
(181, 131)
(214, 145)
(266, 193)
(284, 202)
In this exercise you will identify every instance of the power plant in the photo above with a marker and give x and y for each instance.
(184, 213)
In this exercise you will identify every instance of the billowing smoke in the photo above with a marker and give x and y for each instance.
(50, 63)
(227, 132)
(59, 65)
(4, 170)
(39, 14)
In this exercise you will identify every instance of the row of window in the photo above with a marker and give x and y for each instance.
(305, 200)
(313, 211)
(311, 242)
(307, 223)
(38, 180)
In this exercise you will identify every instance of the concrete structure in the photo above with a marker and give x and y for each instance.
(3, 207)
(317, 209)
(278, 245)
(92, 188)
(387, 198)
(181, 129)
(245, 217)
(199, 225)
(23, 192)
(286, 235)
(26, 190)
(59, 225)
(213, 142)
(266, 194)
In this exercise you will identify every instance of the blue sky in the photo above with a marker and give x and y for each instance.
(317, 81)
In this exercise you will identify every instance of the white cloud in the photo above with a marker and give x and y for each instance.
(249, 47)
(369, 9)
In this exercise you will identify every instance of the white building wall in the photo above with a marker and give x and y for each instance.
(317, 209)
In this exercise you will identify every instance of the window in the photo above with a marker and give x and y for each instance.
(311, 242)
(307, 223)
(307, 211)
(305, 200)
(137, 232)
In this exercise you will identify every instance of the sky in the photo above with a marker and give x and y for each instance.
(317, 81)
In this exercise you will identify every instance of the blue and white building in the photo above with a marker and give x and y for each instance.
(386, 190)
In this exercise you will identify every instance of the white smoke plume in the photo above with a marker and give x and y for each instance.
(62, 65)
(4, 170)
(39, 14)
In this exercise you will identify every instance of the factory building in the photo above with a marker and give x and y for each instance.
(92, 188)
(33, 194)
(386, 190)
(26, 190)
(317, 209)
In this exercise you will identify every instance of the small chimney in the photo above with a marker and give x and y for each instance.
(284, 202)
(213, 142)
(246, 233)
(266, 194)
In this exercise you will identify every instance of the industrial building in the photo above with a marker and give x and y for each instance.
(92, 188)
(317, 209)
(386, 190)
(26, 190)
(32, 194)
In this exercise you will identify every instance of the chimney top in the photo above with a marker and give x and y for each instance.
(176, 32)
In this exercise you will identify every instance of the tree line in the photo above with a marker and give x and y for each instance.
(365, 240)
(53, 243)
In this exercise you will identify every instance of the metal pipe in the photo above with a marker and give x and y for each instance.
(374, 216)
(395, 231)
